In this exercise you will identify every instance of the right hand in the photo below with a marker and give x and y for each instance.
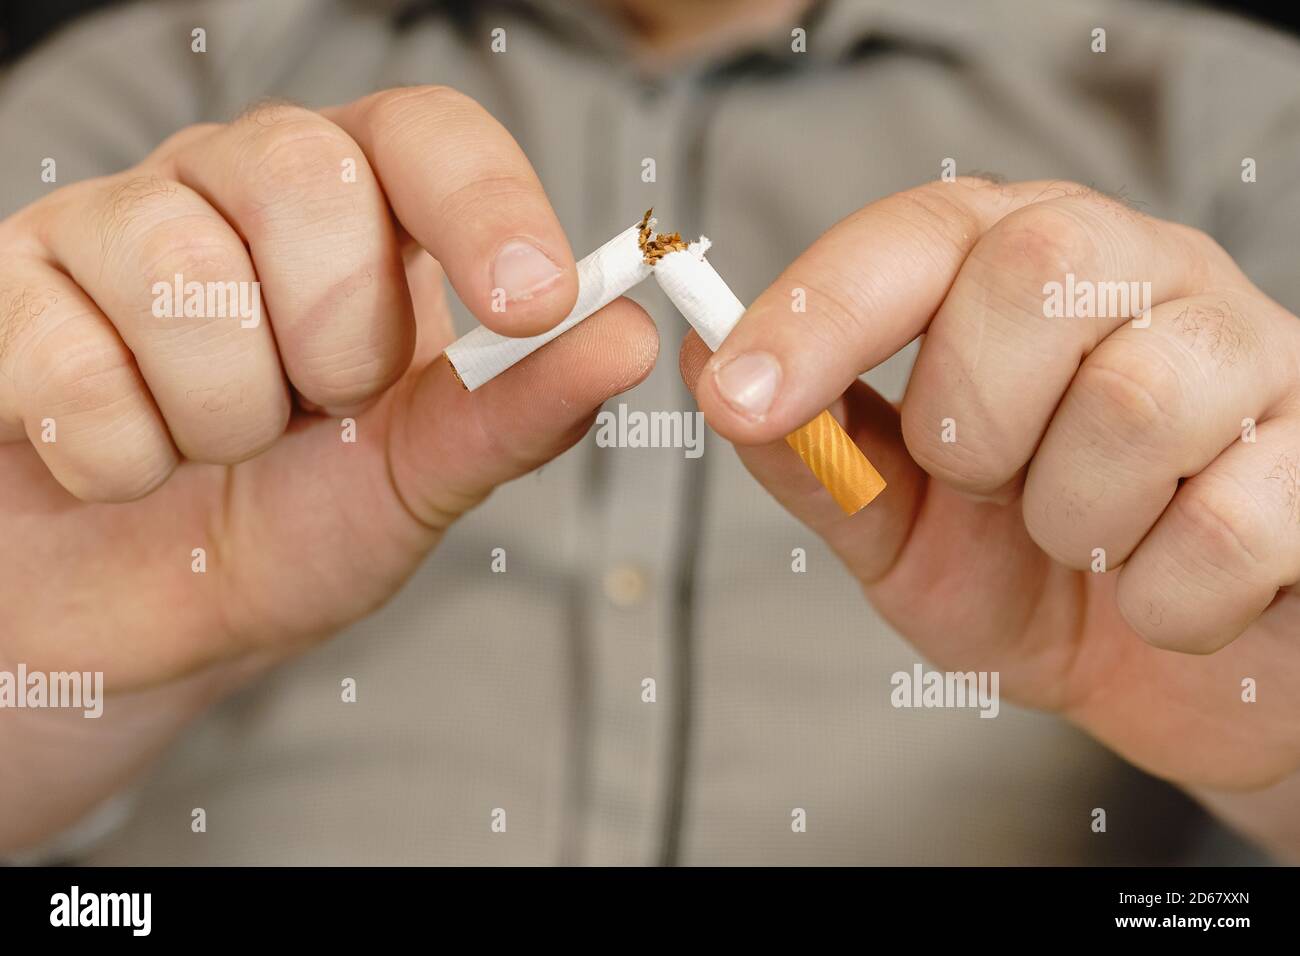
(173, 434)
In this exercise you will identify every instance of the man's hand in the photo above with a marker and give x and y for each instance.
(135, 432)
(1031, 452)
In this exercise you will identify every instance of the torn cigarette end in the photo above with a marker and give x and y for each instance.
(654, 249)
(454, 374)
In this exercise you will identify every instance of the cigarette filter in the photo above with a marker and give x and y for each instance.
(481, 354)
(713, 310)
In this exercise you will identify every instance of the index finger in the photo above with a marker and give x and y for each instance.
(874, 279)
(461, 186)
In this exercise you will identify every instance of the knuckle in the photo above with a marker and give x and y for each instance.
(483, 197)
(396, 109)
(1215, 328)
(154, 228)
(1224, 525)
(836, 304)
(191, 245)
(72, 382)
(130, 203)
(1060, 189)
(1197, 239)
(941, 222)
(293, 149)
(269, 113)
(1037, 243)
(19, 231)
(969, 465)
(227, 427)
(1082, 199)
(131, 472)
(1145, 604)
(1130, 398)
(181, 138)
(982, 180)
(21, 309)
(348, 376)
(109, 447)
(289, 158)
(1100, 203)
(1210, 264)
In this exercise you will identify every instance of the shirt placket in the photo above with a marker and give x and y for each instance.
(628, 750)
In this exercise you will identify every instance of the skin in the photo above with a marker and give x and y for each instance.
(174, 433)
(667, 31)
(1072, 434)
(181, 433)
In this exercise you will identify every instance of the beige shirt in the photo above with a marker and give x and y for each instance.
(523, 691)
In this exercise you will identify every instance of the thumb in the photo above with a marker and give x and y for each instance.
(957, 577)
(334, 517)
(447, 448)
(870, 541)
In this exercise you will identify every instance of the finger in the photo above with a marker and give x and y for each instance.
(870, 540)
(213, 372)
(868, 286)
(433, 326)
(1149, 406)
(462, 187)
(918, 540)
(1225, 545)
(70, 382)
(451, 447)
(299, 191)
(1038, 292)
(392, 479)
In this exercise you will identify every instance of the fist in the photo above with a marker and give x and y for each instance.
(1094, 473)
(225, 429)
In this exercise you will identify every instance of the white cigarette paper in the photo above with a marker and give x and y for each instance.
(699, 293)
(609, 272)
(713, 310)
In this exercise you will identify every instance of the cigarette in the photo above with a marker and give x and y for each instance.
(713, 310)
(481, 355)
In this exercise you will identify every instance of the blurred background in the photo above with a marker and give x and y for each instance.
(23, 23)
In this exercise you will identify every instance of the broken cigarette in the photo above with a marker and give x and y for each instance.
(713, 310)
(481, 355)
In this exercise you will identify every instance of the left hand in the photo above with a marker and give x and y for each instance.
(1071, 434)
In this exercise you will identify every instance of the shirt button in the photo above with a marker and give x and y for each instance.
(625, 585)
(649, 92)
